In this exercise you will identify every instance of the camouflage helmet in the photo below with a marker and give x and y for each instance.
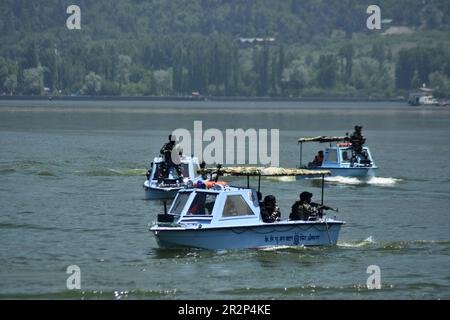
(306, 195)
(269, 199)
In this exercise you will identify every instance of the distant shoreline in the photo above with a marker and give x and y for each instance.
(187, 98)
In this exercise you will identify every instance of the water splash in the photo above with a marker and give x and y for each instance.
(380, 181)
(277, 248)
(96, 294)
(376, 181)
(344, 180)
(281, 179)
(356, 243)
(120, 294)
(303, 290)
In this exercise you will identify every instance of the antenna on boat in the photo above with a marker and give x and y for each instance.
(301, 154)
(323, 185)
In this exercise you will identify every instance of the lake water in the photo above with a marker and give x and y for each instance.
(71, 177)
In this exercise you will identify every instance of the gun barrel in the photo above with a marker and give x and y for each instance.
(330, 208)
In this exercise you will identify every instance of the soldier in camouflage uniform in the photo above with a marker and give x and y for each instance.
(270, 212)
(166, 152)
(305, 209)
(358, 140)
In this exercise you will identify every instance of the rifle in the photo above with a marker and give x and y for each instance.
(323, 207)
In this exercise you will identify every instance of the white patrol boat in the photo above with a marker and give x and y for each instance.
(226, 217)
(160, 185)
(341, 159)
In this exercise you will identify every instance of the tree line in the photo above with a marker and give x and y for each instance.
(133, 47)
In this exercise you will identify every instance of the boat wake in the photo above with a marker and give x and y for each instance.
(414, 245)
(376, 181)
(281, 179)
(277, 248)
(393, 245)
(379, 181)
(96, 294)
(370, 241)
(356, 243)
(30, 167)
(344, 180)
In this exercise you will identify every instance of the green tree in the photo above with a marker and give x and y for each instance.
(326, 70)
(296, 77)
(10, 84)
(261, 69)
(281, 64)
(31, 58)
(123, 69)
(33, 80)
(92, 84)
(162, 82)
(378, 52)
(415, 81)
(346, 54)
(405, 69)
(441, 84)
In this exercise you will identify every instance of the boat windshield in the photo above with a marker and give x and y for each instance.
(346, 155)
(236, 206)
(202, 204)
(180, 202)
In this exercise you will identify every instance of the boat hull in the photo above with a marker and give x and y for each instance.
(348, 172)
(261, 236)
(352, 172)
(159, 193)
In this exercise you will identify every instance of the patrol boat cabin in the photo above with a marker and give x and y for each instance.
(341, 159)
(163, 181)
(227, 217)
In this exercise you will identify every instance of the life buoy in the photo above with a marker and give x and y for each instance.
(211, 184)
(344, 144)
